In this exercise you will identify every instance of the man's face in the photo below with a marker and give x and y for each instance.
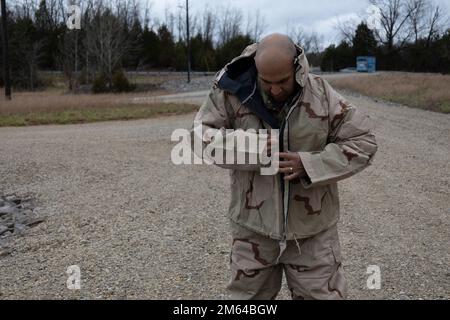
(277, 81)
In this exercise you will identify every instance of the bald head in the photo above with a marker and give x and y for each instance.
(275, 49)
(274, 60)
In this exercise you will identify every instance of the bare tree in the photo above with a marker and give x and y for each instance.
(169, 20)
(194, 24)
(208, 26)
(146, 16)
(256, 25)
(230, 23)
(32, 55)
(315, 43)
(68, 59)
(394, 15)
(181, 23)
(435, 22)
(181, 20)
(309, 41)
(416, 19)
(56, 14)
(426, 20)
(106, 39)
(25, 8)
(87, 16)
(346, 29)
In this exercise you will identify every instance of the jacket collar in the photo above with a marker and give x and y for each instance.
(241, 64)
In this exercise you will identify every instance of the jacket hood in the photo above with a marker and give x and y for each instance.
(245, 61)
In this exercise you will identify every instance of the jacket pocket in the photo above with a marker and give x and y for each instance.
(260, 190)
(309, 211)
(309, 201)
(337, 284)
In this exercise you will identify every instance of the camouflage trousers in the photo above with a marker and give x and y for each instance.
(312, 266)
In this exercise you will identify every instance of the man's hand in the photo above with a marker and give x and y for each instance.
(271, 141)
(291, 165)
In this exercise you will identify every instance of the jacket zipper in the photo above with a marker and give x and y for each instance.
(287, 183)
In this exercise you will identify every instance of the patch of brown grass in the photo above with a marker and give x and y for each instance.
(424, 91)
(55, 107)
(124, 112)
(52, 101)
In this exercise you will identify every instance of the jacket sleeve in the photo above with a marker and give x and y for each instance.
(213, 134)
(350, 148)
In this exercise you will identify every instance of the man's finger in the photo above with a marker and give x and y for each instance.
(285, 164)
(293, 176)
(287, 170)
(289, 156)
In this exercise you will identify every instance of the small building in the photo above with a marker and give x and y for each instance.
(366, 64)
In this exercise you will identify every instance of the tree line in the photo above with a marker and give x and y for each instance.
(409, 35)
(119, 35)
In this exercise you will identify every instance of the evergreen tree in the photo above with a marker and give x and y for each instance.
(328, 59)
(364, 43)
(149, 48)
(132, 58)
(337, 58)
(49, 33)
(232, 48)
(166, 47)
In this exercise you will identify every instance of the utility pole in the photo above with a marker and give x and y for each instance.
(188, 42)
(6, 70)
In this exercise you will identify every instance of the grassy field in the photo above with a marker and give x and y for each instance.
(424, 91)
(53, 107)
(125, 112)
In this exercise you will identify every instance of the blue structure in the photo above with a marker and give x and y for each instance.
(366, 64)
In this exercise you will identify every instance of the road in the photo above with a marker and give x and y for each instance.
(140, 227)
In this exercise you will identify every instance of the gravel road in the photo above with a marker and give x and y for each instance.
(140, 227)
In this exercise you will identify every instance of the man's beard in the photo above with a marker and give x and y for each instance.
(277, 103)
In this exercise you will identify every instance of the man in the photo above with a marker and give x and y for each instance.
(287, 221)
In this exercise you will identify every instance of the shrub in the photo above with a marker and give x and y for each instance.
(100, 84)
(120, 82)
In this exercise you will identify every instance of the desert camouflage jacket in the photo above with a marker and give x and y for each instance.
(333, 138)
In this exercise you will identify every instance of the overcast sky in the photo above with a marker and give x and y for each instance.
(312, 15)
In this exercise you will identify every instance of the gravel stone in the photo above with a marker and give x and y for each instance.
(139, 226)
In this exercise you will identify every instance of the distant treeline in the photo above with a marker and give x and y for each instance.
(422, 55)
(405, 35)
(120, 35)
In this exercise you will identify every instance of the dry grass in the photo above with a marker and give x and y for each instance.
(424, 91)
(53, 107)
(153, 79)
(53, 100)
(124, 112)
(57, 80)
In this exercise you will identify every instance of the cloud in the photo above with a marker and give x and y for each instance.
(319, 16)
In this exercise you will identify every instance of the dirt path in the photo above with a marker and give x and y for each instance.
(140, 227)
